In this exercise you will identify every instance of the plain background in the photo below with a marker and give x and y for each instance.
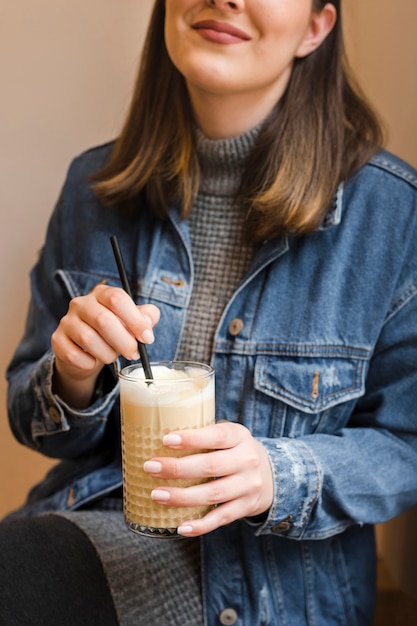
(66, 75)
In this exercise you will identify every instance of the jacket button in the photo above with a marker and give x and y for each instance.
(228, 617)
(235, 326)
(282, 527)
(54, 414)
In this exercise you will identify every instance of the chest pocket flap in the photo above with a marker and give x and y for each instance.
(313, 383)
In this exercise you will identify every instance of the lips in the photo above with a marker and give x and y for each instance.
(221, 30)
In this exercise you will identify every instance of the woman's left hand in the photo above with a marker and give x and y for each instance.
(240, 464)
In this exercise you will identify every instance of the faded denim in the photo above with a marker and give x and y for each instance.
(323, 372)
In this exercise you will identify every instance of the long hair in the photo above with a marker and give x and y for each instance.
(320, 133)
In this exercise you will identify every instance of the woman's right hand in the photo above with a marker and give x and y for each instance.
(97, 328)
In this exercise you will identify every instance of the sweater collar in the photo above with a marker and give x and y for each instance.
(223, 161)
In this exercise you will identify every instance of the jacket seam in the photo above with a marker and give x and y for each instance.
(400, 171)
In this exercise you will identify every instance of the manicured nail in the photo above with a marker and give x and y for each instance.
(152, 467)
(184, 530)
(171, 440)
(148, 336)
(161, 495)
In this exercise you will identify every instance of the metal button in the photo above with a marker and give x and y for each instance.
(235, 326)
(282, 527)
(228, 617)
(54, 414)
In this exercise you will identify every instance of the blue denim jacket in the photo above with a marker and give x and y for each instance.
(316, 353)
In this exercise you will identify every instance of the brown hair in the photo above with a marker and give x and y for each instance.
(320, 132)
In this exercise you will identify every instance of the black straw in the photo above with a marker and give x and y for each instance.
(123, 277)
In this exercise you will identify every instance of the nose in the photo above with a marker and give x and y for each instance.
(226, 6)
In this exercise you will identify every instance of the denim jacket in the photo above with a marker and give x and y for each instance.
(316, 353)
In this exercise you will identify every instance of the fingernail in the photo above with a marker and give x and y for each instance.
(171, 440)
(152, 467)
(160, 495)
(148, 336)
(184, 530)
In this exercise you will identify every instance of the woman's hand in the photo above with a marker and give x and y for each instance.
(243, 485)
(97, 328)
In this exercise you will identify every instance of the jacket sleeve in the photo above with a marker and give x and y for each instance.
(366, 473)
(38, 418)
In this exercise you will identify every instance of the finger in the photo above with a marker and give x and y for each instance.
(203, 465)
(210, 493)
(223, 435)
(68, 352)
(138, 320)
(95, 342)
(219, 516)
(121, 303)
(151, 311)
(93, 326)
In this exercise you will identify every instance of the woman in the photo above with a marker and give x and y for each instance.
(263, 231)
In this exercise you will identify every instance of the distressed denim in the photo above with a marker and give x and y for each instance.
(316, 353)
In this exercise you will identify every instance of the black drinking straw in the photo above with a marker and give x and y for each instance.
(123, 277)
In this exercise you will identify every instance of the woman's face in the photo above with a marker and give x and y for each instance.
(240, 47)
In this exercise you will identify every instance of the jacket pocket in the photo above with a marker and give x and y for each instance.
(310, 391)
(77, 283)
(168, 330)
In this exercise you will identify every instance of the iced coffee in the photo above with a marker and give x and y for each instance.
(180, 396)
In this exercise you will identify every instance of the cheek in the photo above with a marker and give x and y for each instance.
(172, 34)
(178, 14)
(282, 20)
(280, 40)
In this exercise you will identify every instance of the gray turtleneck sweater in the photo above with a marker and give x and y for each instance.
(221, 255)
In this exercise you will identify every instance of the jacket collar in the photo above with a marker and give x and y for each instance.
(334, 214)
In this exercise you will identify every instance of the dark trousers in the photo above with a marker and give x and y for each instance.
(50, 575)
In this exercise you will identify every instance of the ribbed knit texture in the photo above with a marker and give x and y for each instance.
(157, 581)
(220, 254)
(153, 582)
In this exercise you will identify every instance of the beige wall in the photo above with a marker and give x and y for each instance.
(66, 70)
(382, 47)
